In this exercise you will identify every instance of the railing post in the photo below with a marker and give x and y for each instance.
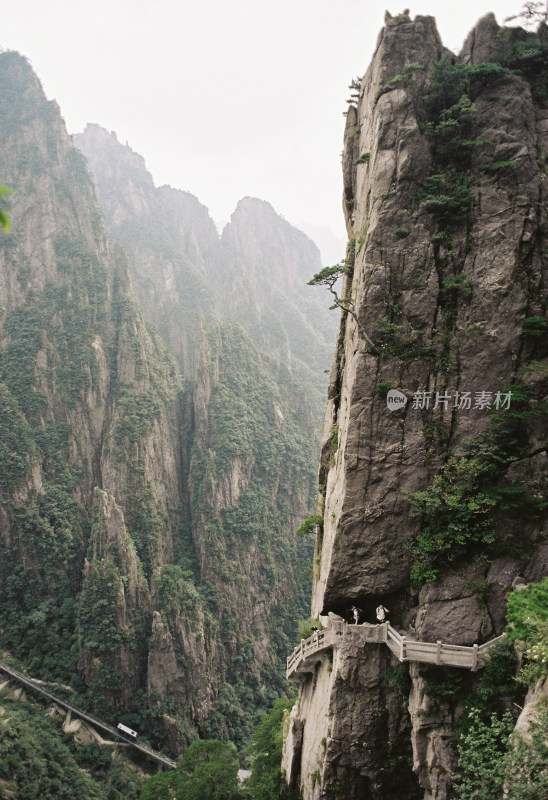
(403, 652)
(475, 658)
(438, 651)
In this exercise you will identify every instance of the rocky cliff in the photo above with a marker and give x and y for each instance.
(268, 265)
(248, 428)
(90, 399)
(436, 505)
(256, 273)
(148, 550)
(169, 236)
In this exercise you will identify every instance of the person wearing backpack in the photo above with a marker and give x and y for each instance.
(381, 613)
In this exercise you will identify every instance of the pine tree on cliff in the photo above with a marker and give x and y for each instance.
(329, 276)
(531, 13)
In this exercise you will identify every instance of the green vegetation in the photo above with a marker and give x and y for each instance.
(395, 340)
(177, 593)
(266, 781)
(492, 756)
(402, 233)
(383, 388)
(450, 128)
(39, 762)
(449, 117)
(4, 208)
(329, 277)
(406, 78)
(98, 615)
(448, 120)
(309, 525)
(304, 627)
(481, 751)
(398, 678)
(524, 52)
(457, 283)
(497, 681)
(363, 159)
(254, 425)
(461, 507)
(527, 614)
(143, 517)
(498, 166)
(489, 757)
(535, 333)
(88, 394)
(207, 770)
(481, 722)
(526, 762)
(448, 197)
(59, 355)
(445, 683)
(36, 596)
(16, 442)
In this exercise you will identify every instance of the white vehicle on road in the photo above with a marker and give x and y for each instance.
(127, 732)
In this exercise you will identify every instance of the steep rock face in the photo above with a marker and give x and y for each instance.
(250, 479)
(346, 714)
(247, 430)
(448, 278)
(91, 407)
(171, 240)
(255, 273)
(149, 554)
(114, 609)
(268, 264)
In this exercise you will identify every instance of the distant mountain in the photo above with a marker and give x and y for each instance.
(332, 247)
(151, 478)
(256, 273)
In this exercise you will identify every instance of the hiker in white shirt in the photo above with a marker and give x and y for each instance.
(381, 613)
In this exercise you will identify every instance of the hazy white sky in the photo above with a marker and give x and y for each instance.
(223, 99)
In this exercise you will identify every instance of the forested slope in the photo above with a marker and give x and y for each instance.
(147, 516)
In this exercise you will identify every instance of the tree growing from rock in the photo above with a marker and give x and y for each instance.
(531, 13)
(329, 277)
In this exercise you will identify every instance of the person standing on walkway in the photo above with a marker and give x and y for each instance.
(355, 614)
(381, 613)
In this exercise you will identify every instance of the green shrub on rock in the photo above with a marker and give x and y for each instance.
(527, 614)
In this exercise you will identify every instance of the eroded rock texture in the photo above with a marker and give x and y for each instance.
(410, 247)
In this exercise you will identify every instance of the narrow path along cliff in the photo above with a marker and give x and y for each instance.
(305, 656)
(435, 505)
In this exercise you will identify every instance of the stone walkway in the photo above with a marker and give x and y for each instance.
(306, 655)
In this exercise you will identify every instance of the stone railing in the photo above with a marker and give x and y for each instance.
(304, 657)
(315, 644)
